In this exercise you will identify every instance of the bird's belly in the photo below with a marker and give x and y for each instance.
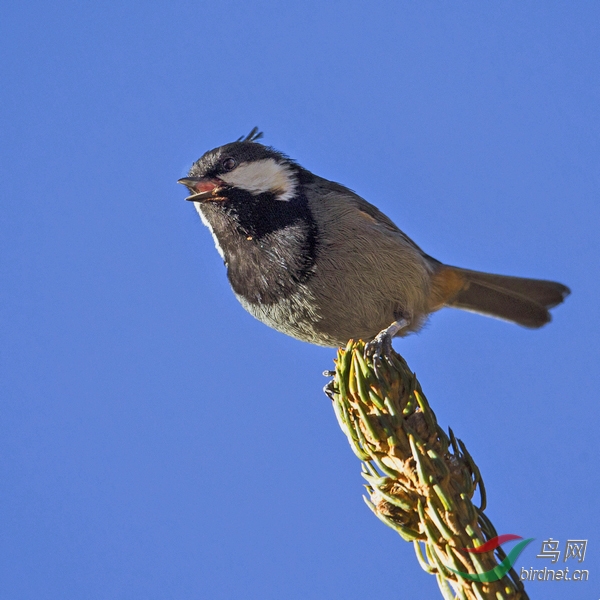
(323, 321)
(295, 315)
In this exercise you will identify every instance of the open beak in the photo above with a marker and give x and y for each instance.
(204, 190)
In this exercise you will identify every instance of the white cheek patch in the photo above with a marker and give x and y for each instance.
(262, 176)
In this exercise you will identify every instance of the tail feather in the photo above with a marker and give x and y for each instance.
(517, 299)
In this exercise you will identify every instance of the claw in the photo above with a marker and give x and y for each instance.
(380, 347)
(330, 389)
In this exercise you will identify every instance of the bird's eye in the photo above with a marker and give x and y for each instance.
(228, 164)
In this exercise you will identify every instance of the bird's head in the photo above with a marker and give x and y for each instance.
(242, 171)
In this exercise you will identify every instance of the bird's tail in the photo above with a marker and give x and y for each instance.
(516, 299)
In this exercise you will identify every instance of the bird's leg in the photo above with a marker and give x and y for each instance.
(381, 345)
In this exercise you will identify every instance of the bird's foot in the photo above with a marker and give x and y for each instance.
(330, 389)
(380, 347)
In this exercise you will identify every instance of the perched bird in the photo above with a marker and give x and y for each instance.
(312, 259)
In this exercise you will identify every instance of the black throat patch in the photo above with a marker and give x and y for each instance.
(270, 245)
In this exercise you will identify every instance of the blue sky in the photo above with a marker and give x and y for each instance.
(156, 441)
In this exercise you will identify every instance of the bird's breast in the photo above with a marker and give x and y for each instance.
(265, 263)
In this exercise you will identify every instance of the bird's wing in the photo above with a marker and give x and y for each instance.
(368, 210)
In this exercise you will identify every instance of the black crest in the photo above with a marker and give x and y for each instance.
(254, 135)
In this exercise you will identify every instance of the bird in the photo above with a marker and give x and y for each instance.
(311, 258)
